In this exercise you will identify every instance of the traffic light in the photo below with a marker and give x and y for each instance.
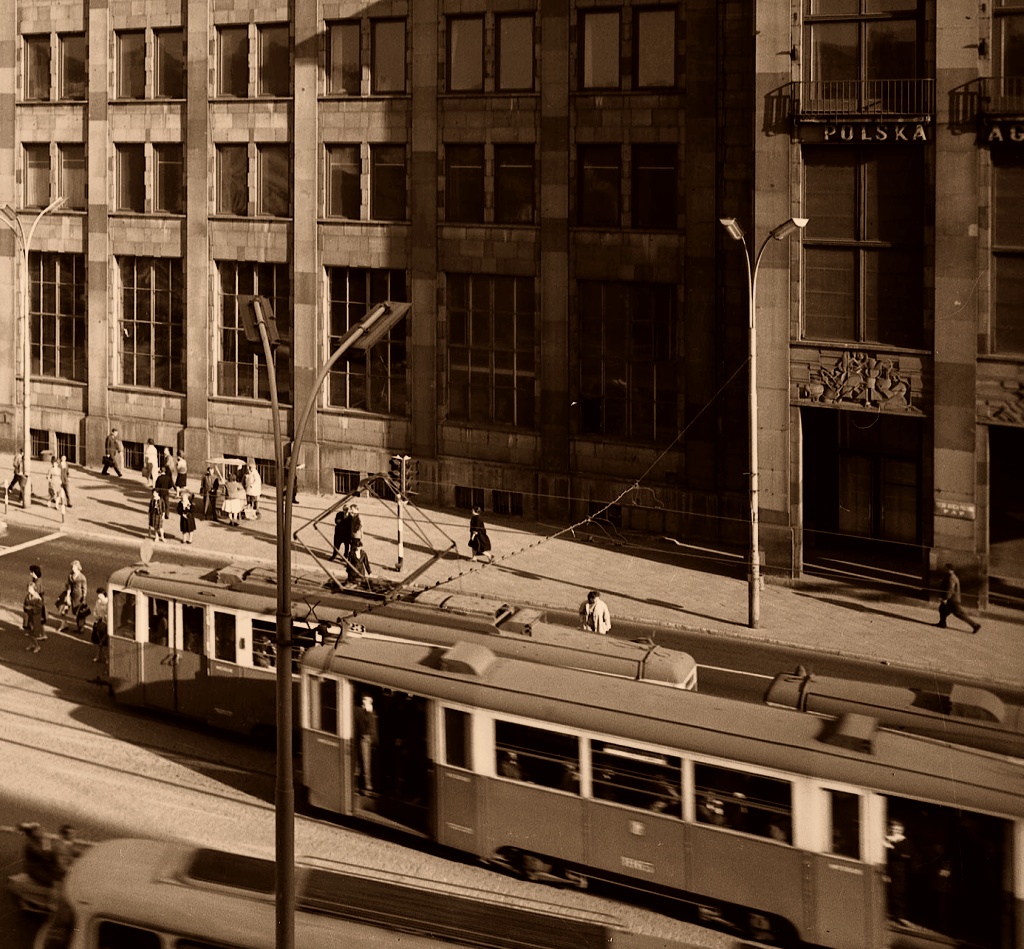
(412, 475)
(396, 472)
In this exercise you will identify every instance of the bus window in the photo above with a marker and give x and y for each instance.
(323, 704)
(746, 802)
(537, 756)
(192, 628)
(845, 832)
(119, 936)
(637, 778)
(124, 614)
(224, 644)
(159, 620)
(456, 738)
(264, 653)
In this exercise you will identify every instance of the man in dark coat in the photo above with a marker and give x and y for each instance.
(950, 603)
(342, 532)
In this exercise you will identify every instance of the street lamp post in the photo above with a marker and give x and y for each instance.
(11, 219)
(779, 233)
(369, 330)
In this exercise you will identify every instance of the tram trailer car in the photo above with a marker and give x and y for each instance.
(965, 714)
(199, 643)
(151, 894)
(780, 823)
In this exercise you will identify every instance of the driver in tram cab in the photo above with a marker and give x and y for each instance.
(366, 732)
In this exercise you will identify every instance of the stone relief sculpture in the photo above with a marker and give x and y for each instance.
(861, 379)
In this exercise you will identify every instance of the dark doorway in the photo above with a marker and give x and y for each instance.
(1006, 511)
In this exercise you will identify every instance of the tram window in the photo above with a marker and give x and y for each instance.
(323, 704)
(124, 614)
(159, 620)
(537, 756)
(119, 936)
(637, 778)
(845, 824)
(224, 645)
(456, 738)
(746, 802)
(192, 628)
(264, 654)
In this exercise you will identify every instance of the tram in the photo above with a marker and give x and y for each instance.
(783, 825)
(965, 714)
(151, 894)
(200, 643)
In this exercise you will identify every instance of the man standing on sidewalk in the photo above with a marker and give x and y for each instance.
(950, 602)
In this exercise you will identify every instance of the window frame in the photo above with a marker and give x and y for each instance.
(465, 198)
(336, 84)
(223, 152)
(76, 198)
(131, 64)
(151, 337)
(57, 312)
(507, 158)
(271, 202)
(339, 191)
(591, 52)
(501, 55)
(79, 90)
(130, 181)
(378, 85)
(36, 186)
(166, 157)
(271, 80)
(382, 194)
(598, 165)
(169, 81)
(455, 61)
(37, 66)
(640, 37)
(652, 164)
(232, 61)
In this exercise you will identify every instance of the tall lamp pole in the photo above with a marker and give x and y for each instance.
(779, 233)
(11, 219)
(260, 327)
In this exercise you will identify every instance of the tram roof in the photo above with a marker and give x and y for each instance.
(850, 751)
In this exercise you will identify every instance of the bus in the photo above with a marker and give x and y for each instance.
(781, 825)
(200, 642)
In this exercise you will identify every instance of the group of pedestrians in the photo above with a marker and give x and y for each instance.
(72, 607)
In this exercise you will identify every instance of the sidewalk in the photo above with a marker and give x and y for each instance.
(651, 581)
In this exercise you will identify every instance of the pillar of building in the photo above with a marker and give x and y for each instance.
(10, 332)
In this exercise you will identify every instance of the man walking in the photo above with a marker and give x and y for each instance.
(113, 453)
(950, 603)
(594, 614)
(18, 481)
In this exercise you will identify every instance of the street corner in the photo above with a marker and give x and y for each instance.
(15, 536)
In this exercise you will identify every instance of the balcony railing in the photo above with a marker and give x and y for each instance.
(838, 99)
(1001, 96)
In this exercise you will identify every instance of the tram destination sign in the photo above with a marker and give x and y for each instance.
(863, 133)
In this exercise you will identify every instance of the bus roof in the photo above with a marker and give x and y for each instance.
(723, 728)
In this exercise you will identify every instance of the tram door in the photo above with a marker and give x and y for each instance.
(171, 652)
(391, 779)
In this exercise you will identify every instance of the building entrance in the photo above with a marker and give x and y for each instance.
(1006, 512)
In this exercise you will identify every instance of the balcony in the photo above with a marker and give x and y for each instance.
(1000, 97)
(865, 100)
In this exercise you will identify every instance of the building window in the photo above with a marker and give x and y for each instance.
(509, 503)
(37, 66)
(275, 198)
(464, 184)
(57, 313)
(513, 184)
(233, 61)
(37, 176)
(1009, 51)
(630, 376)
(515, 53)
(600, 36)
(654, 48)
(387, 182)
(467, 498)
(600, 186)
(344, 196)
(131, 178)
(344, 74)
(40, 439)
(275, 76)
(346, 481)
(491, 349)
(241, 368)
(131, 64)
(72, 176)
(169, 74)
(168, 161)
(375, 380)
(67, 445)
(1008, 255)
(655, 186)
(74, 79)
(151, 340)
(232, 179)
(388, 54)
(863, 250)
(863, 40)
(466, 54)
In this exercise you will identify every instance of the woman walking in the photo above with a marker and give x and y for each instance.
(34, 608)
(186, 516)
(479, 542)
(157, 513)
(55, 485)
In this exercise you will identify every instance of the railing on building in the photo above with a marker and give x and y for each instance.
(1001, 95)
(836, 99)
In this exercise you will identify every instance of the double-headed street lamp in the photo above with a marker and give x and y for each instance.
(779, 233)
(11, 219)
(260, 327)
